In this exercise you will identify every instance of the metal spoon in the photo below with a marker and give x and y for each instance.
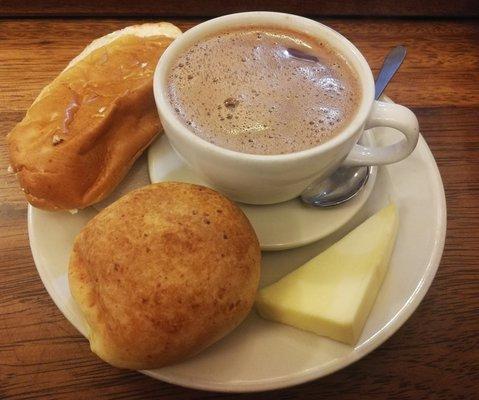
(345, 183)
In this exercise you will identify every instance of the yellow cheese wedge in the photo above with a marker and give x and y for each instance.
(332, 294)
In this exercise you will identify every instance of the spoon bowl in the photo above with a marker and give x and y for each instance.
(341, 186)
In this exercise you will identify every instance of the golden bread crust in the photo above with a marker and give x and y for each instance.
(85, 130)
(164, 272)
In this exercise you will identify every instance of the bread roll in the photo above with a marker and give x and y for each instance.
(85, 129)
(163, 273)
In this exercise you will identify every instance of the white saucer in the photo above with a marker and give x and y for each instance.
(279, 226)
(261, 355)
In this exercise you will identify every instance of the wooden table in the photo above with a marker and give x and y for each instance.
(435, 355)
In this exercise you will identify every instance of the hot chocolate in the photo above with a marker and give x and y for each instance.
(263, 91)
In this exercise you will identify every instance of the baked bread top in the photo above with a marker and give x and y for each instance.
(163, 273)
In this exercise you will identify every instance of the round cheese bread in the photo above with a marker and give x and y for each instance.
(163, 273)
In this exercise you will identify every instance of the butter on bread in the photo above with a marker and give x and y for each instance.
(85, 129)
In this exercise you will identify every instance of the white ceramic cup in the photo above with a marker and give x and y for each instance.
(269, 179)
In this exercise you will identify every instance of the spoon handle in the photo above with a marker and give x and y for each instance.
(391, 64)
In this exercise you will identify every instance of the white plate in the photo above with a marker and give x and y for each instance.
(261, 355)
(279, 226)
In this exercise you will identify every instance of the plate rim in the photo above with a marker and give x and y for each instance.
(313, 373)
(368, 346)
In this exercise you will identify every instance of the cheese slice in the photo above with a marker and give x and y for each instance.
(332, 294)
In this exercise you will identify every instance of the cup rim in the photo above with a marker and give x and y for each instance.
(263, 18)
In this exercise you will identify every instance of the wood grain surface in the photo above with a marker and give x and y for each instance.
(197, 8)
(435, 355)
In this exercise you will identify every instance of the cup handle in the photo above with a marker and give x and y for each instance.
(393, 116)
